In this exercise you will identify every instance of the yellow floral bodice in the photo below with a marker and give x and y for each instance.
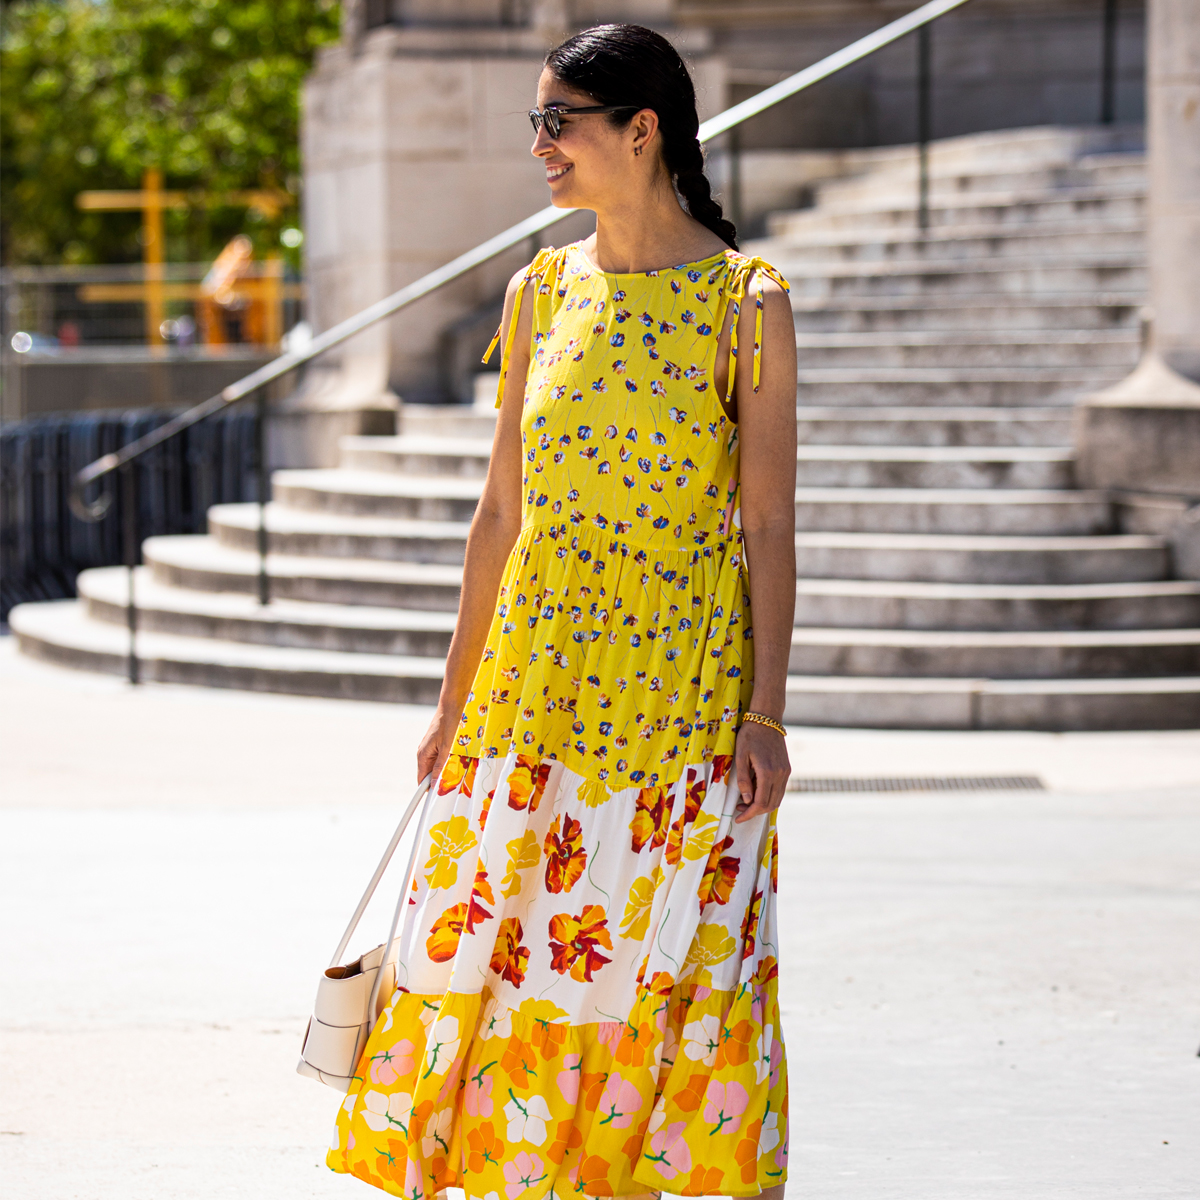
(621, 643)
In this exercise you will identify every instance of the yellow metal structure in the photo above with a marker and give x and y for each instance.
(154, 291)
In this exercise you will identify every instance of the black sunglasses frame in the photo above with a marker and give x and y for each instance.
(550, 116)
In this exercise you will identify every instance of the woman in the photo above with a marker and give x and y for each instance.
(588, 989)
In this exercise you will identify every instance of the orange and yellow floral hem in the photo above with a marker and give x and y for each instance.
(687, 1094)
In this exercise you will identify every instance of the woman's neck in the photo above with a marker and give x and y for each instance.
(647, 234)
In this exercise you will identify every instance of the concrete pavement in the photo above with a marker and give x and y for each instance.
(987, 994)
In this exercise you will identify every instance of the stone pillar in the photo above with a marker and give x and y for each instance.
(1143, 435)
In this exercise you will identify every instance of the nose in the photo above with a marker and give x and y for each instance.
(543, 145)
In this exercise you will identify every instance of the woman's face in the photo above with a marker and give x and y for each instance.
(591, 164)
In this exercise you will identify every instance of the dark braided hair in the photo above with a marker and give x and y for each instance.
(629, 64)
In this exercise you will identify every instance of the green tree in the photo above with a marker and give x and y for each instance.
(94, 92)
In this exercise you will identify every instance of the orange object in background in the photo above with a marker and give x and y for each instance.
(236, 303)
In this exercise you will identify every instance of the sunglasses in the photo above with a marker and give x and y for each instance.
(549, 117)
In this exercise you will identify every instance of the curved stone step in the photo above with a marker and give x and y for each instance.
(1002, 654)
(1081, 274)
(901, 466)
(975, 511)
(418, 454)
(892, 604)
(61, 632)
(895, 510)
(930, 426)
(962, 243)
(879, 314)
(816, 466)
(1023, 704)
(378, 493)
(899, 179)
(203, 564)
(944, 386)
(970, 350)
(311, 532)
(225, 616)
(932, 558)
(922, 425)
(1025, 207)
(432, 420)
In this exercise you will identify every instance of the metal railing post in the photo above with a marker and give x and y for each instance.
(1108, 65)
(262, 484)
(924, 121)
(129, 536)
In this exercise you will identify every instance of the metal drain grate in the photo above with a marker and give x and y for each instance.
(935, 783)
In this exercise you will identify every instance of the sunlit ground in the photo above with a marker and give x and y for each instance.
(986, 994)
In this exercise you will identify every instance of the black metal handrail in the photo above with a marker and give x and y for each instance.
(255, 384)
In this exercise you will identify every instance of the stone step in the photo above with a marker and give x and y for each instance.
(900, 181)
(203, 564)
(1006, 654)
(309, 532)
(952, 387)
(973, 511)
(378, 493)
(1001, 210)
(816, 466)
(960, 243)
(972, 314)
(832, 604)
(418, 454)
(346, 628)
(430, 419)
(933, 426)
(945, 558)
(1021, 704)
(962, 349)
(61, 632)
(899, 510)
(1115, 168)
(917, 426)
(1021, 147)
(897, 605)
(937, 467)
(1082, 275)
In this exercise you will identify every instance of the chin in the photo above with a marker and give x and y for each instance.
(562, 197)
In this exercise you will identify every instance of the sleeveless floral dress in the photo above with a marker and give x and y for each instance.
(587, 1000)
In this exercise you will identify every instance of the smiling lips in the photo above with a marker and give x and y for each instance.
(557, 171)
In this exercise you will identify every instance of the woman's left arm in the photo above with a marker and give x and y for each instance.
(767, 434)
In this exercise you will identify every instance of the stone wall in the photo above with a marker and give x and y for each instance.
(995, 66)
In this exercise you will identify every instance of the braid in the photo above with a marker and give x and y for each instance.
(693, 186)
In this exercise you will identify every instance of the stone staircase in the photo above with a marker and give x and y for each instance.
(950, 575)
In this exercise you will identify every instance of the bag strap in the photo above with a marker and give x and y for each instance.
(423, 789)
(401, 901)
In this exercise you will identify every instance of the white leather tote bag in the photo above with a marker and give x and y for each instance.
(351, 997)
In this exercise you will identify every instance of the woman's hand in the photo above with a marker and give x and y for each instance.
(763, 769)
(436, 745)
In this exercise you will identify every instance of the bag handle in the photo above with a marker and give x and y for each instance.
(423, 789)
(401, 901)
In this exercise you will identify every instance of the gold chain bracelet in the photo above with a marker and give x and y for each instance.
(760, 719)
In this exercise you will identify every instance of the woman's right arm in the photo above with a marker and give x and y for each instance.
(494, 529)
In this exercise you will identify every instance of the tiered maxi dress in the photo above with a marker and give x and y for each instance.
(587, 1001)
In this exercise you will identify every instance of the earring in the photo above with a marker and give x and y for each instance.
(637, 149)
